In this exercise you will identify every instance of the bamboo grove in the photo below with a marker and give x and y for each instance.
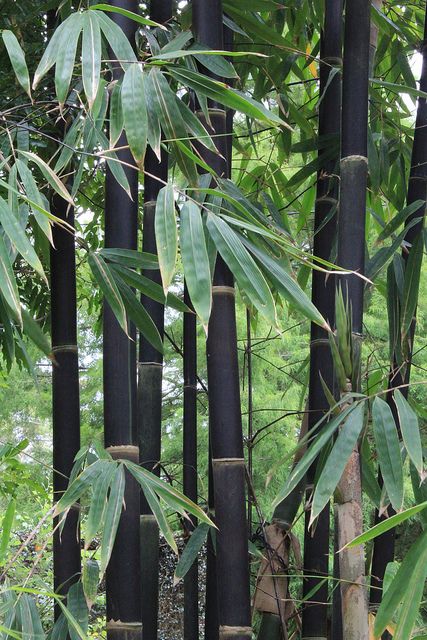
(188, 169)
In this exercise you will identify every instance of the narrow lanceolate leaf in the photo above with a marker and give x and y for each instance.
(105, 279)
(244, 269)
(8, 284)
(286, 285)
(299, 471)
(411, 283)
(407, 586)
(409, 427)
(6, 528)
(98, 502)
(76, 604)
(90, 580)
(116, 114)
(65, 55)
(17, 59)
(166, 234)
(116, 39)
(390, 459)
(112, 516)
(50, 175)
(91, 56)
(337, 460)
(128, 14)
(399, 219)
(51, 52)
(33, 194)
(18, 238)
(33, 331)
(82, 483)
(195, 261)
(191, 550)
(386, 525)
(135, 111)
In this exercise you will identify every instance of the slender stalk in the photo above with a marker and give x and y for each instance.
(316, 543)
(119, 373)
(250, 411)
(228, 462)
(191, 590)
(351, 255)
(65, 384)
(383, 552)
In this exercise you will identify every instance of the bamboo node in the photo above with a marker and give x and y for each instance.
(65, 348)
(222, 289)
(150, 203)
(147, 516)
(229, 632)
(114, 625)
(356, 158)
(332, 60)
(211, 112)
(228, 461)
(327, 200)
(150, 364)
(126, 451)
(319, 342)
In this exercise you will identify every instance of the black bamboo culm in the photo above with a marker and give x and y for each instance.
(400, 372)
(228, 465)
(123, 581)
(211, 599)
(150, 376)
(316, 543)
(351, 256)
(65, 384)
(191, 589)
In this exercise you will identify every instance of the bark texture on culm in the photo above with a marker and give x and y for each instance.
(316, 542)
(351, 256)
(150, 377)
(400, 371)
(119, 372)
(228, 463)
(65, 383)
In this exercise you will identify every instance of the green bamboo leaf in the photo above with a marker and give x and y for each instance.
(411, 284)
(166, 234)
(18, 237)
(90, 580)
(50, 175)
(116, 39)
(240, 262)
(17, 58)
(135, 111)
(412, 572)
(116, 114)
(76, 605)
(409, 427)
(112, 516)
(105, 279)
(399, 219)
(337, 460)
(98, 502)
(127, 14)
(139, 316)
(322, 438)
(195, 128)
(6, 528)
(191, 550)
(386, 525)
(72, 623)
(25, 617)
(34, 195)
(195, 261)
(225, 95)
(286, 285)
(51, 52)
(65, 55)
(369, 476)
(38, 633)
(131, 258)
(8, 284)
(91, 56)
(399, 88)
(79, 486)
(160, 515)
(390, 459)
(32, 330)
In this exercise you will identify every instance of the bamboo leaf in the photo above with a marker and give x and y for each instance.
(8, 284)
(409, 580)
(32, 330)
(91, 56)
(105, 279)
(127, 14)
(337, 460)
(131, 258)
(166, 234)
(386, 525)
(81, 484)
(399, 219)
(65, 55)
(195, 261)
(116, 38)
(409, 427)
(90, 580)
(76, 605)
(387, 443)
(411, 284)
(49, 174)
(191, 550)
(6, 528)
(116, 114)
(51, 52)
(240, 262)
(322, 438)
(17, 58)
(18, 237)
(112, 516)
(135, 111)
(34, 195)
(98, 502)
(160, 516)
